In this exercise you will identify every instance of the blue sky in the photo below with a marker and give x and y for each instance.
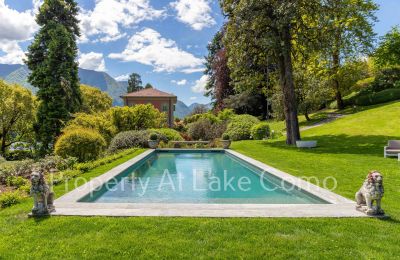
(164, 41)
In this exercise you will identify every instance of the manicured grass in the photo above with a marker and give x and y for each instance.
(349, 148)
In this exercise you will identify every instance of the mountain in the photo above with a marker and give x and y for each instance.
(181, 110)
(18, 74)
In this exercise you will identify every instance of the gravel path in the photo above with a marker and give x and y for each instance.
(331, 117)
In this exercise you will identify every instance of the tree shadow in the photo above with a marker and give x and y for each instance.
(342, 144)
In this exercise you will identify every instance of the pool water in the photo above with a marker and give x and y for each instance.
(198, 177)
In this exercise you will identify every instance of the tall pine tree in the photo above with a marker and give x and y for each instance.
(52, 59)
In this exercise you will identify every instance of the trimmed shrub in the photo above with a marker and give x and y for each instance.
(138, 117)
(386, 79)
(204, 129)
(84, 144)
(96, 122)
(132, 139)
(260, 131)
(170, 134)
(8, 199)
(153, 137)
(225, 137)
(239, 128)
(194, 118)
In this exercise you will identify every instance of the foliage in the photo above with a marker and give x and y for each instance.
(170, 134)
(196, 117)
(153, 137)
(138, 117)
(347, 33)
(260, 131)
(18, 155)
(94, 100)
(17, 115)
(199, 109)
(84, 144)
(134, 83)
(239, 128)
(248, 102)
(10, 198)
(219, 82)
(148, 85)
(205, 129)
(98, 122)
(363, 84)
(16, 181)
(225, 137)
(383, 96)
(386, 78)
(388, 51)
(54, 70)
(130, 139)
(225, 114)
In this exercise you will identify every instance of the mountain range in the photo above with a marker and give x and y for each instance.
(18, 74)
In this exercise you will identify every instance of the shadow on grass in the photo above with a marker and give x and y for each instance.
(342, 144)
(356, 109)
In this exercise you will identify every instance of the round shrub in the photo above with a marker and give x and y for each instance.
(225, 137)
(131, 139)
(153, 137)
(239, 128)
(170, 134)
(84, 144)
(205, 129)
(260, 131)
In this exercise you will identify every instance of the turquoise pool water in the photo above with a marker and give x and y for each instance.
(198, 177)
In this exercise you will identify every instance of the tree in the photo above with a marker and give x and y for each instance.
(94, 100)
(134, 83)
(17, 115)
(388, 51)
(54, 71)
(348, 33)
(260, 33)
(219, 82)
(148, 85)
(199, 109)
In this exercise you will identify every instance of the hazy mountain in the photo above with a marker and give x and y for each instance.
(18, 74)
(181, 110)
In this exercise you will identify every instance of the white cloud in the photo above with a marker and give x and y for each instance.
(149, 48)
(194, 70)
(92, 61)
(200, 85)
(122, 77)
(13, 52)
(193, 98)
(179, 82)
(109, 15)
(196, 13)
(14, 25)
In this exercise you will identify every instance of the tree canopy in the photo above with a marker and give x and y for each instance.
(388, 51)
(94, 100)
(134, 83)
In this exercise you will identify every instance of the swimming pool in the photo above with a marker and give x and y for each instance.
(201, 183)
(198, 177)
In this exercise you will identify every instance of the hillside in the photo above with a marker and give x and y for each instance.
(18, 74)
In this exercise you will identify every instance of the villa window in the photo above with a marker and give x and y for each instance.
(165, 108)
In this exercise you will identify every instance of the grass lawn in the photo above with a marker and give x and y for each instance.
(349, 148)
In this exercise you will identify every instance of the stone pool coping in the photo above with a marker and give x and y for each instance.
(67, 205)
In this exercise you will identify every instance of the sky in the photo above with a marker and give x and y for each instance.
(162, 40)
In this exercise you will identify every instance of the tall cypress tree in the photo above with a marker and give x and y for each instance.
(52, 59)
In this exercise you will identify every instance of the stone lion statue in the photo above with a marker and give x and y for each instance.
(42, 196)
(370, 192)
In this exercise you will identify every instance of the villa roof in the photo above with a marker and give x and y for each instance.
(149, 92)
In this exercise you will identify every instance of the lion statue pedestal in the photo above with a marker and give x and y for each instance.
(371, 191)
(42, 196)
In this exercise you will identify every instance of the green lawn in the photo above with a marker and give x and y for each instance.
(349, 148)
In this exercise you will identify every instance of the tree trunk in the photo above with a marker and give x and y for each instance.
(3, 143)
(287, 84)
(306, 115)
(336, 66)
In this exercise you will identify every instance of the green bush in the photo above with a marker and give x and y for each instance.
(138, 117)
(84, 144)
(16, 181)
(205, 129)
(377, 98)
(18, 155)
(225, 137)
(170, 134)
(98, 122)
(129, 139)
(8, 199)
(260, 131)
(239, 127)
(194, 118)
(387, 78)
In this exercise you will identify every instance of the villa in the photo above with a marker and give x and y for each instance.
(163, 101)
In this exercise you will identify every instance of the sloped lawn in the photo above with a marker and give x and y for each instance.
(349, 148)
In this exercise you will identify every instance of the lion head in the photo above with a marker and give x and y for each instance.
(375, 177)
(38, 182)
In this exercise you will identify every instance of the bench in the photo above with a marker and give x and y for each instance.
(392, 149)
(177, 144)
